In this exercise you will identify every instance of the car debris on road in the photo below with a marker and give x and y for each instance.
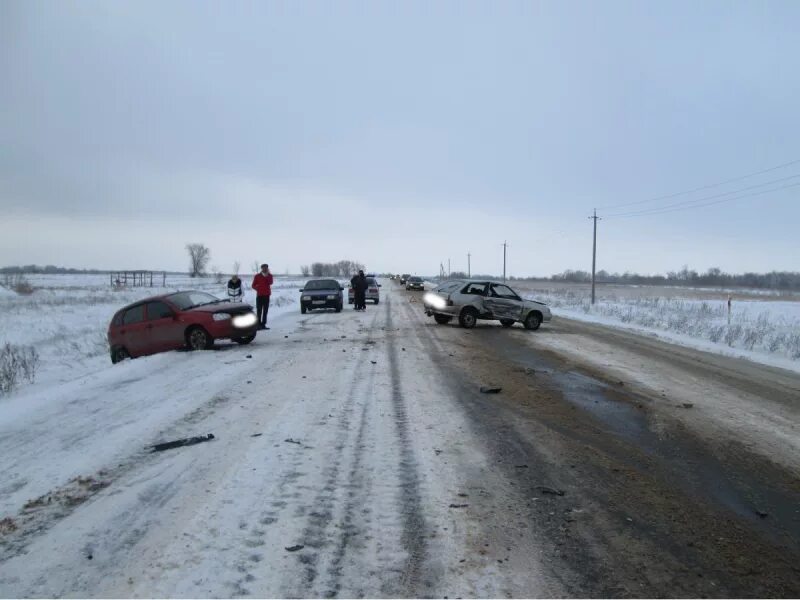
(184, 442)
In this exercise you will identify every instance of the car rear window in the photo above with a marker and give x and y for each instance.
(371, 281)
(158, 310)
(133, 315)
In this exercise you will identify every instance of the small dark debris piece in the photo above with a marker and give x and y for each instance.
(184, 442)
(462, 495)
(548, 490)
(286, 337)
(249, 356)
(304, 376)
(249, 381)
(491, 390)
(257, 435)
(687, 405)
(459, 505)
(374, 362)
(762, 514)
(291, 441)
(89, 556)
(403, 349)
(520, 466)
(294, 548)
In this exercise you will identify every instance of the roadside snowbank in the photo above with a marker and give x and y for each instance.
(67, 316)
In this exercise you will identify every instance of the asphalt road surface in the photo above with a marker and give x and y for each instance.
(355, 455)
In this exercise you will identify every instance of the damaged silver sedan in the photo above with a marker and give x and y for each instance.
(471, 301)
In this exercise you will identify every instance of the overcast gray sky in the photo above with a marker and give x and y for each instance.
(398, 134)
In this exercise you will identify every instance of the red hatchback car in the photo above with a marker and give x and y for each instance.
(179, 320)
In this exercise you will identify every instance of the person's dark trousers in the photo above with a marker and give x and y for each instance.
(361, 300)
(262, 308)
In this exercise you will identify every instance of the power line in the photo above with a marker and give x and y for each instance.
(690, 203)
(701, 188)
(668, 210)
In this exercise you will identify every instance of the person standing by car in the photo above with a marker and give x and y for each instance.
(262, 284)
(235, 293)
(359, 283)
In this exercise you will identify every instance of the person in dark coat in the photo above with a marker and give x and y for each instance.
(235, 289)
(359, 283)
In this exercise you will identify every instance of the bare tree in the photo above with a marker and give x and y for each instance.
(305, 270)
(199, 255)
(236, 266)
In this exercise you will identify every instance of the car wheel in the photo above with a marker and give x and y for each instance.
(245, 340)
(442, 319)
(533, 321)
(302, 309)
(119, 354)
(339, 307)
(507, 322)
(197, 338)
(468, 318)
(376, 301)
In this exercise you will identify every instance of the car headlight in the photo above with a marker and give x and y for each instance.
(306, 298)
(435, 301)
(331, 297)
(220, 316)
(245, 320)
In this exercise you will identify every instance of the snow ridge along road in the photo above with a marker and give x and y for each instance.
(355, 456)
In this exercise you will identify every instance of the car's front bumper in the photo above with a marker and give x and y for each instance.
(320, 303)
(227, 330)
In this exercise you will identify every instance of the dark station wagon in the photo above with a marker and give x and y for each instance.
(188, 319)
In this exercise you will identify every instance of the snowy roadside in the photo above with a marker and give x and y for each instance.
(765, 331)
(67, 316)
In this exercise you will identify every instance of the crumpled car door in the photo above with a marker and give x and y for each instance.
(503, 308)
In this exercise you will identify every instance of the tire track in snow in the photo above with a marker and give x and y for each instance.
(414, 524)
(317, 534)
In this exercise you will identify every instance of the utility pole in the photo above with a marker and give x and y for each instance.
(469, 268)
(505, 244)
(448, 268)
(595, 218)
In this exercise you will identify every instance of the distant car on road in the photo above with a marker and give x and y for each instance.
(183, 319)
(470, 301)
(373, 291)
(404, 278)
(322, 293)
(415, 283)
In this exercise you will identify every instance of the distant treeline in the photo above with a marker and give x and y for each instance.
(775, 280)
(51, 270)
(343, 268)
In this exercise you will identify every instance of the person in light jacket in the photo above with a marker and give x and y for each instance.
(262, 284)
(235, 293)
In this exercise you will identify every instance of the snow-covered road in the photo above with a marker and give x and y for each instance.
(336, 436)
(354, 455)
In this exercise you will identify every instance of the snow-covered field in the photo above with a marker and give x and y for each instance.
(763, 327)
(66, 317)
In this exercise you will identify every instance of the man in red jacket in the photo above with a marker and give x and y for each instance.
(262, 284)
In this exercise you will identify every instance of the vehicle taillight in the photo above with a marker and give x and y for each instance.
(373, 289)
